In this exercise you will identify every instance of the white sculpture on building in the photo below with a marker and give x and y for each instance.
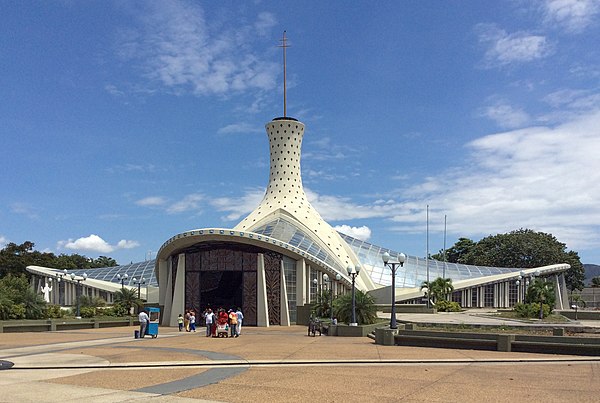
(46, 291)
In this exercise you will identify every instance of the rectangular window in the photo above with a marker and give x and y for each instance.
(489, 295)
(313, 286)
(289, 267)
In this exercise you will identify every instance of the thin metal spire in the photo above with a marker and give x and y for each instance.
(284, 45)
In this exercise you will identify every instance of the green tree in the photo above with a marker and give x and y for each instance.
(104, 261)
(575, 276)
(15, 258)
(18, 300)
(596, 282)
(91, 302)
(438, 289)
(126, 298)
(366, 311)
(322, 305)
(541, 292)
(576, 299)
(525, 248)
(456, 253)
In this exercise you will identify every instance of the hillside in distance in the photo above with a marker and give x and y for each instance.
(591, 271)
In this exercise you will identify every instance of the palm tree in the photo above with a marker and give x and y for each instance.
(321, 306)
(125, 298)
(540, 291)
(366, 311)
(438, 289)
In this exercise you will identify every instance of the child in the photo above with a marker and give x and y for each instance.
(192, 321)
(180, 322)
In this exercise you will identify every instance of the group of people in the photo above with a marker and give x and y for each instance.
(187, 321)
(231, 319)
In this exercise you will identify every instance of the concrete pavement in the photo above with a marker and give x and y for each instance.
(279, 364)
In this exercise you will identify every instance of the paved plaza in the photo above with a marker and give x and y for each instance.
(276, 364)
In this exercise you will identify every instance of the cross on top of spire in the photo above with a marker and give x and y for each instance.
(284, 45)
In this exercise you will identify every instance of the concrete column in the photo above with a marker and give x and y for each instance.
(505, 342)
(301, 290)
(285, 309)
(560, 286)
(163, 273)
(179, 292)
(262, 305)
(167, 289)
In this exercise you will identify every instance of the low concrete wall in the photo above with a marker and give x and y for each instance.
(303, 314)
(406, 308)
(581, 315)
(50, 325)
(353, 331)
(500, 342)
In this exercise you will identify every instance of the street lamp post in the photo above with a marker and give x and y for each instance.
(139, 284)
(353, 272)
(338, 277)
(61, 277)
(326, 282)
(78, 288)
(122, 279)
(393, 266)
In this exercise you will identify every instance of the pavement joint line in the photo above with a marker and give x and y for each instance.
(69, 345)
(264, 363)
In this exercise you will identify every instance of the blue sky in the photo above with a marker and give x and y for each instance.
(124, 123)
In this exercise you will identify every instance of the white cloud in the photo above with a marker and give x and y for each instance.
(508, 49)
(3, 241)
(543, 178)
(126, 244)
(506, 115)
(239, 206)
(580, 100)
(188, 203)
(573, 15)
(94, 243)
(24, 209)
(333, 208)
(179, 50)
(363, 233)
(239, 128)
(152, 201)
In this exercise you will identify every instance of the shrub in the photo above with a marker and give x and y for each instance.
(87, 312)
(447, 306)
(91, 302)
(366, 311)
(17, 312)
(110, 311)
(531, 310)
(54, 312)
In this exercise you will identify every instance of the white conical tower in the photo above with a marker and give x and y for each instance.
(285, 198)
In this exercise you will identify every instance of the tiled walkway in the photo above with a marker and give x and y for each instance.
(276, 364)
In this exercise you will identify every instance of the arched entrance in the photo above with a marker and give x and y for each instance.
(224, 275)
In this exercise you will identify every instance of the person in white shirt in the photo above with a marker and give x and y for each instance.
(144, 319)
(240, 318)
(209, 318)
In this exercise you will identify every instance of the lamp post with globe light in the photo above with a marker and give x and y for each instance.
(78, 288)
(139, 284)
(353, 272)
(393, 266)
(122, 279)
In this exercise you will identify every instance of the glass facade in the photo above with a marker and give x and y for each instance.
(289, 268)
(412, 274)
(138, 270)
